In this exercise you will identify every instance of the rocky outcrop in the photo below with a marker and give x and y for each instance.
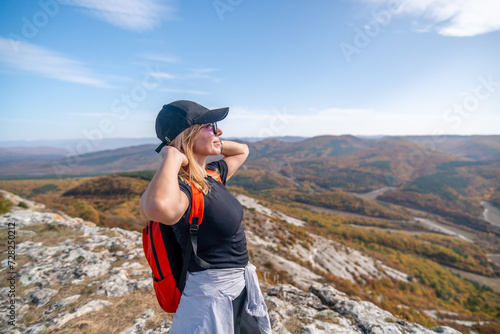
(324, 309)
(68, 274)
(323, 254)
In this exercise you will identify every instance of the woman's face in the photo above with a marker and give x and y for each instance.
(207, 142)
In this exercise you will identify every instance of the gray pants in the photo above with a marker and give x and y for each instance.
(209, 298)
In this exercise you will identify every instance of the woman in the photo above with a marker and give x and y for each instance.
(226, 299)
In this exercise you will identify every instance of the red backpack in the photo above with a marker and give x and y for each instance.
(164, 254)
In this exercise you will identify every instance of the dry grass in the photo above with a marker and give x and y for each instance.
(293, 325)
(24, 188)
(328, 316)
(117, 317)
(86, 290)
(54, 233)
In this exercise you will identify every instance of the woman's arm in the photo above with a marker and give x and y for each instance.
(235, 155)
(163, 201)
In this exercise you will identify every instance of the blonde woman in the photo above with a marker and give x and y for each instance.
(226, 298)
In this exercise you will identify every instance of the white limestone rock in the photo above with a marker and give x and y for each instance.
(139, 323)
(41, 297)
(91, 306)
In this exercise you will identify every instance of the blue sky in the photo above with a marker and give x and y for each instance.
(73, 69)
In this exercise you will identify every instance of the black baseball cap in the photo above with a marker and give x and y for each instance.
(177, 116)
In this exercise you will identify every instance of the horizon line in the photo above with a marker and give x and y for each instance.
(254, 137)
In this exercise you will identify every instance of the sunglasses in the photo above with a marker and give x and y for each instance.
(213, 126)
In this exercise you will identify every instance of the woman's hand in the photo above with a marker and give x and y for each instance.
(235, 155)
(169, 151)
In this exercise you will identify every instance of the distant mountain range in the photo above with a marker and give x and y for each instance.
(96, 145)
(70, 146)
(119, 155)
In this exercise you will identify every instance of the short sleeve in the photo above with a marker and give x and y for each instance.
(185, 188)
(220, 167)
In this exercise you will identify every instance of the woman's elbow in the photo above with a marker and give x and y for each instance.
(243, 151)
(246, 150)
(143, 207)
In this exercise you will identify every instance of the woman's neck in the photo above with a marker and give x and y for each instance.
(200, 161)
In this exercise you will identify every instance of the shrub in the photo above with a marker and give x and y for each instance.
(5, 205)
(44, 189)
(86, 211)
(23, 205)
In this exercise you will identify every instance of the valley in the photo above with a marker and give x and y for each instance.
(491, 213)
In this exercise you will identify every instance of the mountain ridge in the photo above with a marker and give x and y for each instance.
(19, 161)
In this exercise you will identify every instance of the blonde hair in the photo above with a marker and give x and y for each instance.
(184, 142)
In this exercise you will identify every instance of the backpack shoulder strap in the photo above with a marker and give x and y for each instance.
(198, 200)
(195, 219)
(197, 205)
(214, 174)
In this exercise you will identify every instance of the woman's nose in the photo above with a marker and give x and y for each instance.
(219, 132)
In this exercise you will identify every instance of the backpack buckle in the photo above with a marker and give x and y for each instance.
(193, 229)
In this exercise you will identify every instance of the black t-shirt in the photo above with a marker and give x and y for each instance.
(221, 239)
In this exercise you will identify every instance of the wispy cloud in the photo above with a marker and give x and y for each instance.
(163, 75)
(137, 15)
(89, 114)
(142, 115)
(450, 18)
(33, 58)
(201, 73)
(25, 120)
(159, 58)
